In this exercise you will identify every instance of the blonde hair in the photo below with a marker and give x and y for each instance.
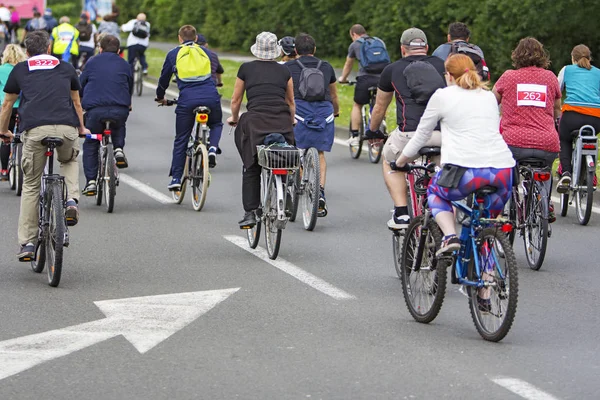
(463, 71)
(13, 54)
(582, 56)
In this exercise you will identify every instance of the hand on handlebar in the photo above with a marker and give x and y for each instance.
(6, 136)
(161, 102)
(401, 168)
(231, 121)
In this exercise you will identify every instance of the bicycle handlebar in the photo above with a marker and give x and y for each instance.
(411, 167)
(169, 103)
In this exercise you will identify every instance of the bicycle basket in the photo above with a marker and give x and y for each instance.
(278, 156)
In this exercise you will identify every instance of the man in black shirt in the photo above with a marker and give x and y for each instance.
(413, 79)
(50, 107)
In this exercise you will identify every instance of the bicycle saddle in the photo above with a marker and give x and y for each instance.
(533, 162)
(202, 110)
(110, 121)
(484, 191)
(587, 131)
(372, 89)
(55, 141)
(430, 151)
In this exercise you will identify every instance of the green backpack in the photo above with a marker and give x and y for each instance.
(192, 64)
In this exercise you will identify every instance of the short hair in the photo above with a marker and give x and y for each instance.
(358, 29)
(305, 44)
(37, 42)
(110, 44)
(36, 14)
(187, 32)
(530, 53)
(458, 30)
(64, 20)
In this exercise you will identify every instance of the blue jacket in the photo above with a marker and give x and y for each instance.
(189, 92)
(106, 81)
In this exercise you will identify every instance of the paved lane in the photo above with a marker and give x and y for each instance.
(276, 337)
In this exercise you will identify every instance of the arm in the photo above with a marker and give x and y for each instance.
(236, 99)
(347, 69)
(561, 79)
(289, 99)
(382, 102)
(428, 122)
(7, 107)
(557, 108)
(498, 95)
(334, 99)
(165, 78)
(83, 79)
(78, 110)
(128, 27)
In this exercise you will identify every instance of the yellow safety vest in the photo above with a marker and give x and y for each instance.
(62, 36)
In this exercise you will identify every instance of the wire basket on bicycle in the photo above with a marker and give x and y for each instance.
(278, 156)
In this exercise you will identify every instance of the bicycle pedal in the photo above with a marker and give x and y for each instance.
(246, 227)
(26, 259)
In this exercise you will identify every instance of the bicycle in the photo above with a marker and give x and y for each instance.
(277, 162)
(304, 189)
(196, 163)
(528, 210)
(374, 146)
(585, 150)
(138, 76)
(15, 173)
(492, 289)
(108, 175)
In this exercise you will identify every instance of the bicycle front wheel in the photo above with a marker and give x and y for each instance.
(56, 235)
(272, 233)
(493, 307)
(139, 79)
(311, 176)
(535, 235)
(424, 280)
(356, 145)
(584, 195)
(110, 179)
(199, 177)
(19, 169)
(293, 190)
(375, 148)
(100, 178)
(253, 234)
(39, 258)
(178, 195)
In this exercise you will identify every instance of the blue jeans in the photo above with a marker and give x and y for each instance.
(93, 121)
(137, 50)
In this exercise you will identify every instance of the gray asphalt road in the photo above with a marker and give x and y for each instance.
(276, 337)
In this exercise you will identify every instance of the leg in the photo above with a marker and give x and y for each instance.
(131, 54)
(356, 117)
(120, 115)
(142, 55)
(90, 159)
(215, 123)
(323, 167)
(568, 123)
(251, 187)
(183, 128)
(67, 157)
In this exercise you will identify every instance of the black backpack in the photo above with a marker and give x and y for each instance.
(85, 31)
(422, 80)
(141, 29)
(311, 84)
(474, 54)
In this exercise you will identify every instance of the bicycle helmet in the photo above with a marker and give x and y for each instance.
(288, 45)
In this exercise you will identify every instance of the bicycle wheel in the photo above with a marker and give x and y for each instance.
(309, 199)
(39, 259)
(178, 195)
(56, 235)
(293, 190)
(584, 195)
(110, 179)
(397, 252)
(139, 78)
(253, 234)
(272, 233)
(512, 215)
(100, 178)
(424, 289)
(199, 177)
(19, 169)
(535, 235)
(375, 148)
(356, 148)
(493, 308)
(564, 204)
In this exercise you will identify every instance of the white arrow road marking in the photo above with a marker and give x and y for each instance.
(290, 269)
(522, 388)
(147, 190)
(143, 321)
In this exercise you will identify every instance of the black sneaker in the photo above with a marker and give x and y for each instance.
(398, 222)
(249, 220)
(26, 253)
(212, 157)
(564, 183)
(322, 208)
(121, 159)
(450, 244)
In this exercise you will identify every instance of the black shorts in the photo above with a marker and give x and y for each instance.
(361, 91)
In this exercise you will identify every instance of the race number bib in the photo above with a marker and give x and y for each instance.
(531, 95)
(41, 62)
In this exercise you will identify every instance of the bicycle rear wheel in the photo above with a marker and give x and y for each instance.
(493, 308)
(375, 148)
(253, 234)
(19, 169)
(424, 289)
(293, 190)
(564, 204)
(397, 252)
(535, 235)
(139, 78)
(309, 199)
(272, 233)
(100, 178)
(56, 235)
(584, 195)
(199, 177)
(356, 148)
(110, 179)
(512, 215)
(178, 195)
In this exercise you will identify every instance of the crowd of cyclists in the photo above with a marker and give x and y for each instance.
(443, 99)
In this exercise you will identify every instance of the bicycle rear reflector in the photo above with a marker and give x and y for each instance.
(506, 228)
(280, 171)
(590, 146)
(541, 176)
(203, 118)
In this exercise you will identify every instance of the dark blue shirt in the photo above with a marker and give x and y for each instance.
(106, 81)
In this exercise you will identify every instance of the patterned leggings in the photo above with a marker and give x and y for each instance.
(440, 198)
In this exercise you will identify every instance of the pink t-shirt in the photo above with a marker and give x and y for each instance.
(14, 17)
(528, 96)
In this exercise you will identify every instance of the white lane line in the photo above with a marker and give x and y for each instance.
(523, 389)
(290, 269)
(147, 190)
(556, 201)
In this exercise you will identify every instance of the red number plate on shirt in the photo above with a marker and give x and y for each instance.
(531, 95)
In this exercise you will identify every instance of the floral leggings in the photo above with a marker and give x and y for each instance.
(440, 198)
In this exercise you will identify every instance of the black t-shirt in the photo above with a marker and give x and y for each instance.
(392, 79)
(45, 94)
(311, 62)
(265, 81)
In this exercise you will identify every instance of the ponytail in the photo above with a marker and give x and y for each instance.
(470, 80)
(582, 56)
(462, 69)
(584, 63)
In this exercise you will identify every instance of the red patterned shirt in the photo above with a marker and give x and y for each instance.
(528, 96)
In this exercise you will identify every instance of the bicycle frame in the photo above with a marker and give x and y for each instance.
(586, 147)
(49, 178)
(535, 177)
(267, 178)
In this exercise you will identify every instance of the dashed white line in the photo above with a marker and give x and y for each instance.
(522, 388)
(147, 190)
(290, 269)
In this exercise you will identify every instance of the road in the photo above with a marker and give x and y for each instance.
(273, 336)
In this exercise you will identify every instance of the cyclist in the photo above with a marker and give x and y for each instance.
(106, 88)
(50, 20)
(368, 73)
(191, 65)
(473, 151)
(50, 106)
(65, 39)
(12, 55)
(413, 79)
(288, 48)
(138, 40)
(34, 24)
(87, 39)
(530, 100)
(270, 92)
(582, 106)
(216, 69)
(315, 107)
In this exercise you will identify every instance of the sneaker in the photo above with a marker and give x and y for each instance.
(450, 244)
(90, 189)
(249, 220)
(322, 208)
(212, 157)
(398, 222)
(26, 253)
(564, 183)
(72, 213)
(353, 141)
(484, 305)
(121, 159)
(4, 175)
(175, 185)
(145, 72)
(551, 215)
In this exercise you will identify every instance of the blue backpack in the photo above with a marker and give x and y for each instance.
(373, 55)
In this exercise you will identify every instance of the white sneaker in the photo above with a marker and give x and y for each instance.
(397, 223)
(353, 141)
